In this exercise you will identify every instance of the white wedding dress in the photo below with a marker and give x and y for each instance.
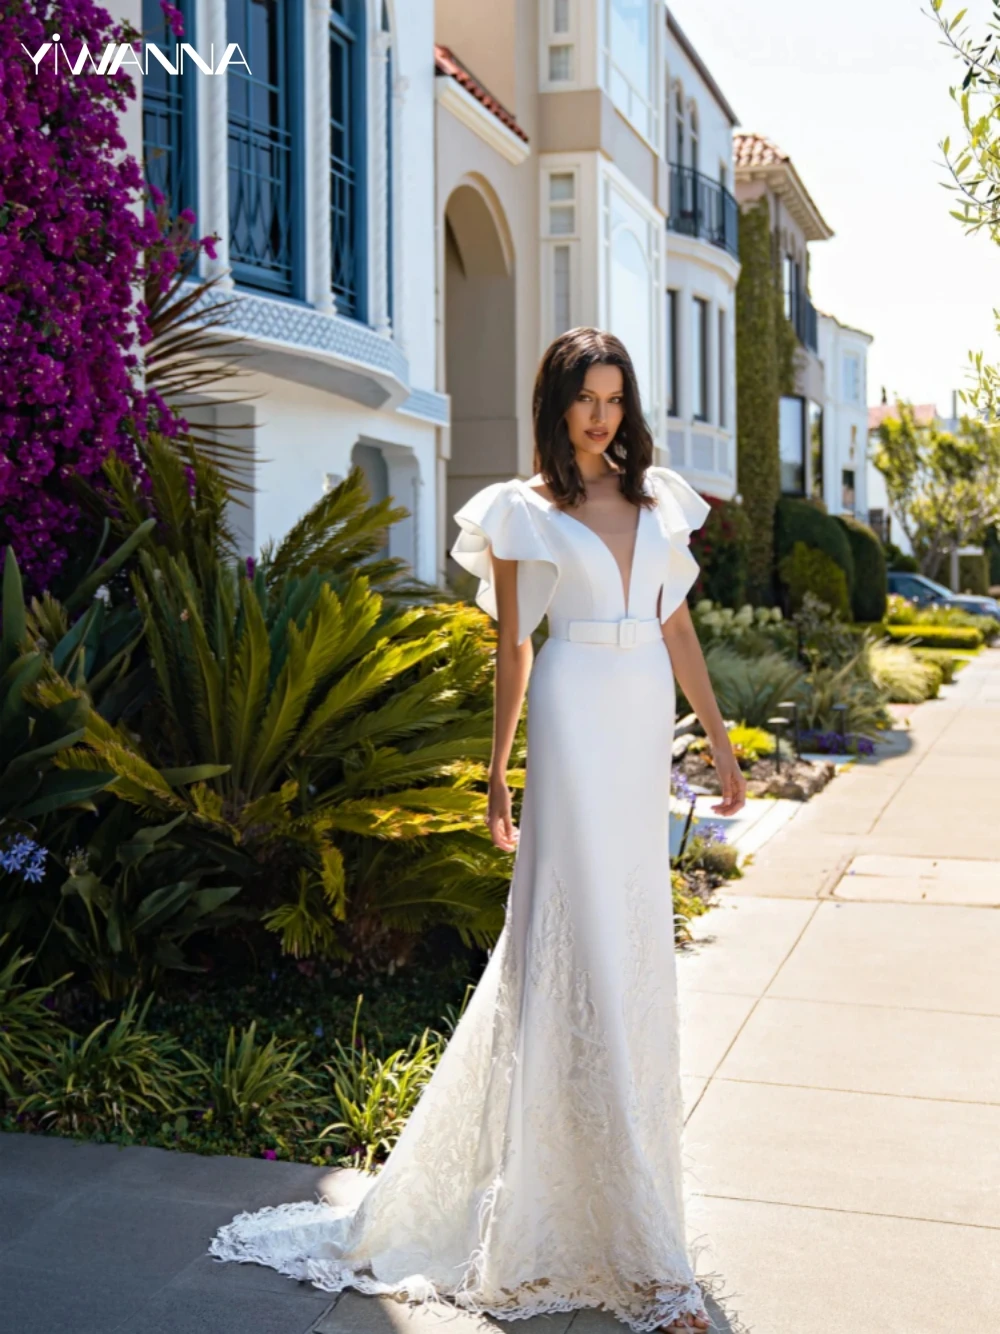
(541, 1169)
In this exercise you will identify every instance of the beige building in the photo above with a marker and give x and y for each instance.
(553, 193)
(763, 171)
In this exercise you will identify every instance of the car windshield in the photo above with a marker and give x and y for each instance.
(936, 587)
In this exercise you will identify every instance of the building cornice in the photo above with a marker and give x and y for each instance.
(470, 112)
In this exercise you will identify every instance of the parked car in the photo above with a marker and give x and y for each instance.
(924, 592)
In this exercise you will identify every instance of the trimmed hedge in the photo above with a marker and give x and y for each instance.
(934, 636)
(757, 392)
(802, 521)
(870, 591)
(809, 570)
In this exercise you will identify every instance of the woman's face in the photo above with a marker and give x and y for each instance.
(594, 417)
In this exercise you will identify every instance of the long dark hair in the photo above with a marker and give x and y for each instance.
(560, 378)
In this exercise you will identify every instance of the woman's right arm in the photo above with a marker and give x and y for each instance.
(513, 667)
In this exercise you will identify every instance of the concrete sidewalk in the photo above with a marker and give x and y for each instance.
(841, 1047)
(841, 1070)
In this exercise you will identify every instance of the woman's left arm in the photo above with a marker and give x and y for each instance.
(691, 675)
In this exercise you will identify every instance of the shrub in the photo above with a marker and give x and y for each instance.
(900, 562)
(868, 598)
(750, 630)
(808, 570)
(721, 548)
(974, 574)
(937, 636)
(850, 685)
(749, 690)
(113, 1075)
(904, 677)
(944, 660)
(258, 1088)
(802, 521)
(28, 1028)
(374, 1096)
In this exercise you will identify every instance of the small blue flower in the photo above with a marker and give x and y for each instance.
(24, 857)
(318, 1031)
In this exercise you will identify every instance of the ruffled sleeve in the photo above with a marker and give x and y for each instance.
(499, 516)
(680, 511)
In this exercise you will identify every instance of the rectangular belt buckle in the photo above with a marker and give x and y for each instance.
(627, 631)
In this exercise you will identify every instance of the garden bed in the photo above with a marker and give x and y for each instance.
(797, 780)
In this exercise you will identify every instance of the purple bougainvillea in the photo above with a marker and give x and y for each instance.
(73, 237)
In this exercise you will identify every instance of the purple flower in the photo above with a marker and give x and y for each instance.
(713, 833)
(270, 1153)
(681, 786)
(24, 857)
(251, 567)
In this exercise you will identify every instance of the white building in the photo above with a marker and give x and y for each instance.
(413, 198)
(315, 168)
(702, 270)
(843, 480)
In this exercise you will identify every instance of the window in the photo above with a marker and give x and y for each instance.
(724, 175)
(699, 347)
(847, 489)
(168, 113)
(630, 74)
(562, 205)
(791, 445)
(694, 137)
(678, 127)
(347, 125)
(673, 379)
(723, 369)
(790, 286)
(390, 239)
(815, 418)
(561, 290)
(852, 379)
(561, 222)
(559, 29)
(265, 142)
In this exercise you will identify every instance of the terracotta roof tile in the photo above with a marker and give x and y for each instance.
(447, 63)
(923, 414)
(754, 150)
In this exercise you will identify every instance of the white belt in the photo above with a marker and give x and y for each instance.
(625, 633)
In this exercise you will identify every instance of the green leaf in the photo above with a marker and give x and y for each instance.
(195, 773)
(162, 904)
(14, 628)
(82, 595)
(66, 787)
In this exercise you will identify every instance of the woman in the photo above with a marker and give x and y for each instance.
(541, 1169)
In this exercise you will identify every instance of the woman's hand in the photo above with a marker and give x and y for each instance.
(503, 832)
(731, 779)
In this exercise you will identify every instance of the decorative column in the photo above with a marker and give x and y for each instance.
(213, 95)
(380, 194)
(400, 86)
(320, 260)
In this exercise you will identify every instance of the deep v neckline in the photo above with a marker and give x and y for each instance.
(626, 589)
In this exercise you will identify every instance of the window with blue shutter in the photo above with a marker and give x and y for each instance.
(347, 156)
(168, 111)
(265, 145)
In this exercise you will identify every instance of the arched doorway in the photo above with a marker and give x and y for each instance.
(479, 346)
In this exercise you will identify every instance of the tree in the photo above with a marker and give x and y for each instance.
(944, 487)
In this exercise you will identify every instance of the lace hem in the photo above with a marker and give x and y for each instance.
(249, 1240)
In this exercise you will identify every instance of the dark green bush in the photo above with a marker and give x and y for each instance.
(868, 596)
(899, 562)
(721, 547)
(803, 521)
(805, 570)
(974, 574)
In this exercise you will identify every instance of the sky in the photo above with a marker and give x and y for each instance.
(856, 92)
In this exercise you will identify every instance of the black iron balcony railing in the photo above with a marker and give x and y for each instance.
(804, 320)
(703, 208)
